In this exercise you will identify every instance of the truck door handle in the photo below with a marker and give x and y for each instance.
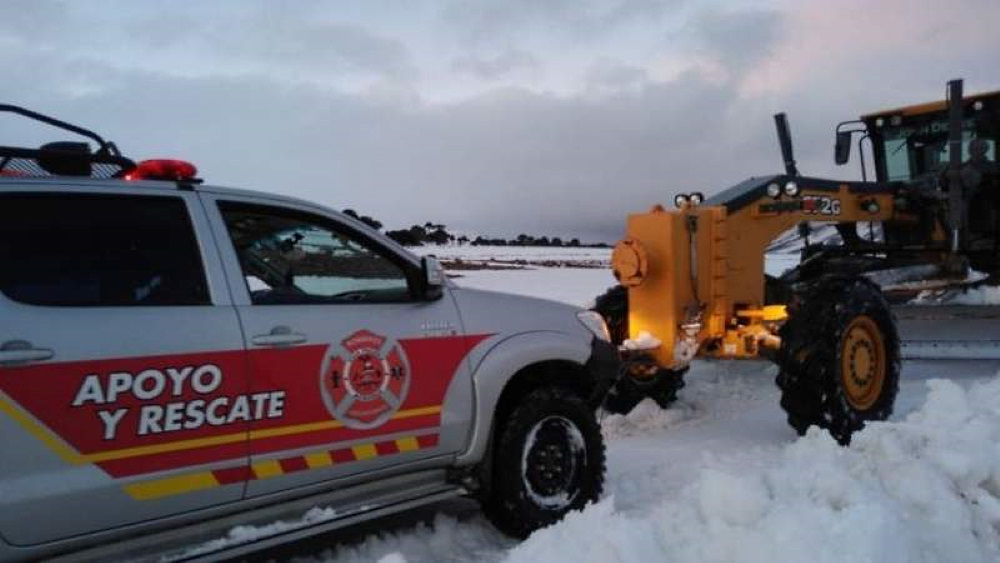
(22, 352)
(279, 336)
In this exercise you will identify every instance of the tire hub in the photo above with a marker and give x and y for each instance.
(863, 364)
(553, 455)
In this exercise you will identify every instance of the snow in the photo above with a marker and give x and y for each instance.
(983, 295)
(576, 286)
(240, 535)
(716, 478)
(510, 253)
(719, 476)
(922, 489)
(645, 341)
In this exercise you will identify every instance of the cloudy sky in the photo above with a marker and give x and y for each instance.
(544, 116)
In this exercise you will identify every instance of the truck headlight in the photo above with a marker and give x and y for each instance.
(595, 324)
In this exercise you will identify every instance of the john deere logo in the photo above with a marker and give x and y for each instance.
(364, 380)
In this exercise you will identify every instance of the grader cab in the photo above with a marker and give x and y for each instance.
(692, 281)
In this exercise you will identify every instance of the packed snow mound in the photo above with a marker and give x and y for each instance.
(645, 341)
(983, 295)
(923, 489)
(445, 538)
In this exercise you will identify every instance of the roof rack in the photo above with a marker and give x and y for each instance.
(63, 158)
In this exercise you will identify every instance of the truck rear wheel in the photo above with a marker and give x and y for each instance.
(839, 360)
(548, 460)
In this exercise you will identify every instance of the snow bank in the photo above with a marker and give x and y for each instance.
(922, 489)
(576, 286)
(983, 295)
(447, 538)
(645, 341)
(240, 535)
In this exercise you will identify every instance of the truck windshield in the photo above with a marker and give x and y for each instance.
(918, 149)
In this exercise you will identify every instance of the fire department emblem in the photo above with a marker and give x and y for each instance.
(364, 380)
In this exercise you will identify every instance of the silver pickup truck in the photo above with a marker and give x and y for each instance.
(178, 359)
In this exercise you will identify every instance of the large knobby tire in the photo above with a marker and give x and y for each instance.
(839, 359)
(613, 306)
(548, 460)
(629, 391)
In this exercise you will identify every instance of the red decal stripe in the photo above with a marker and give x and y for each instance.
(386, 448)
(427, 441)
(233, 474)
(293, 464)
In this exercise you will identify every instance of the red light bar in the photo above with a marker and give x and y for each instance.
(163, 169)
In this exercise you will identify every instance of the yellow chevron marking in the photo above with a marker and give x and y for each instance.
(39, 432)
(318, 459)
(295, 429)
(267, 469)
(158, 488)
(138, 451)
(150, 490)
(407, 444)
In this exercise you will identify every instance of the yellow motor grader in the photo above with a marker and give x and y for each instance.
(692, 281)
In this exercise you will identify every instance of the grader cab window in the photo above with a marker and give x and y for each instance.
(921, 149)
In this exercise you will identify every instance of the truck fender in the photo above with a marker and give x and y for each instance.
(499, 365)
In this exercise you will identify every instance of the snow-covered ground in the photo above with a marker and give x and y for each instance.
(577, 286)
(721, 477)
(469, 252)
(983, 295)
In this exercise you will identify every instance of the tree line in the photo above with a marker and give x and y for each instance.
(437, 233)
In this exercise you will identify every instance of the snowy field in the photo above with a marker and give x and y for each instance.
(577, 286)
(721, 477)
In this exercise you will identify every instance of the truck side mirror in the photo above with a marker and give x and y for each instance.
(842, 148)
(432, 277)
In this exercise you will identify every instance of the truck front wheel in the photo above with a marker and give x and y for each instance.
(548, 460)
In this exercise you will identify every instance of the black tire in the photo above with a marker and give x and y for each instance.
(628, 392)
(548, 460)
(613, 306)
(839, 321)
(776, 292)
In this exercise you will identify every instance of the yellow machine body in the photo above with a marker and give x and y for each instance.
(695, 275)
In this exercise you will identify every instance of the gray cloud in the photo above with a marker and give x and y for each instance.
(317, 45)
(505, 62)
(739, 39)
(497, 161)
(506, 20)
(607, 75)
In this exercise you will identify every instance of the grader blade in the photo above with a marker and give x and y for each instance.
(949, 332)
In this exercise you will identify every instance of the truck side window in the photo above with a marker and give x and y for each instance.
(291, 258)
(97, 250)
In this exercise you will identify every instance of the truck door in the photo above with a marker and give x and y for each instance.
(117, 346)
(370, 375)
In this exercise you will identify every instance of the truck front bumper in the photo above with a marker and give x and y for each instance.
(604, 367)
